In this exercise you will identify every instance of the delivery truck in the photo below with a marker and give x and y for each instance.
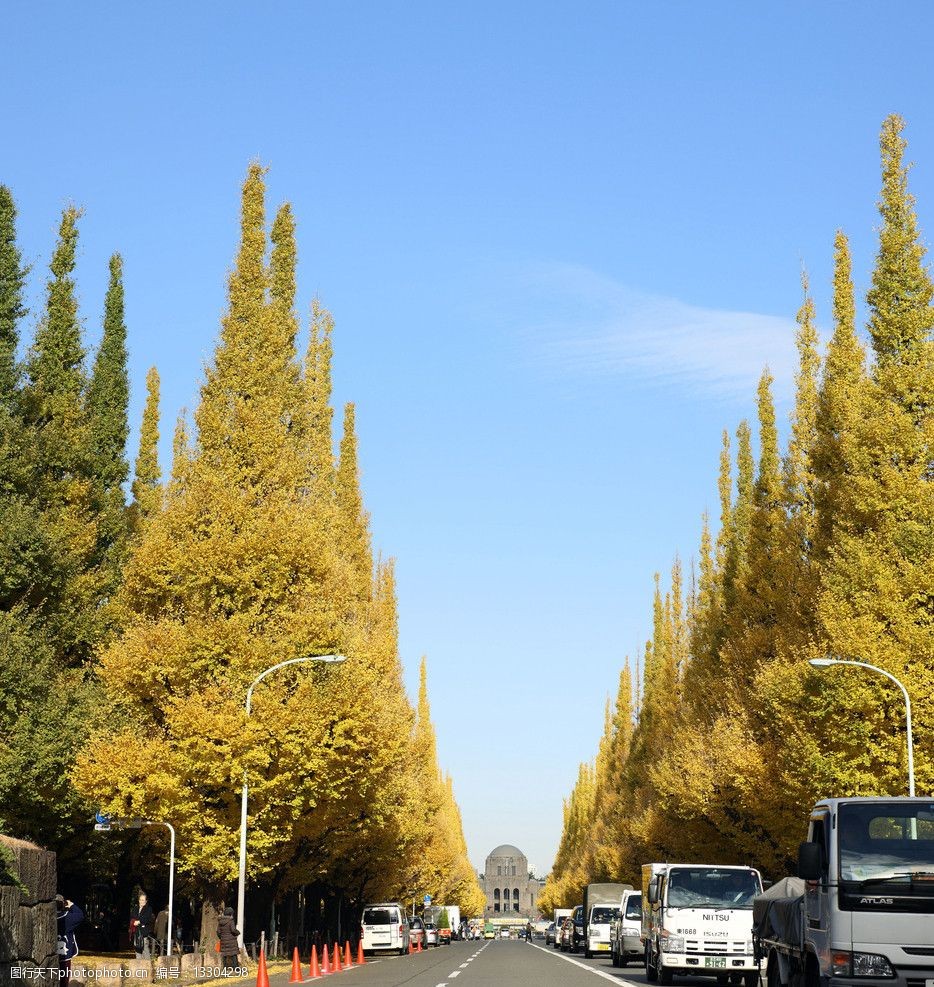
(861, 909)
(601, 906)
(697, 922)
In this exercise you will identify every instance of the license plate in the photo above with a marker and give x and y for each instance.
(718, 961)
(605, 946)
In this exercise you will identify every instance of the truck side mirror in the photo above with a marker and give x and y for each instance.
(653, 891)
(810, 861)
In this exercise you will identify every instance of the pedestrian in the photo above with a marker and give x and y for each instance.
(69, 917)
(142, 923)
(229, 937)
(162, 931)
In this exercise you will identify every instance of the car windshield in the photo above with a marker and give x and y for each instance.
(603, 914)
(712, 887)
(887, 841)
(634, 906)
(377, 916)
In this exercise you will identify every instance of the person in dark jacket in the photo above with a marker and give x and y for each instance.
(142, 921)
(229, 937)
(69, 917)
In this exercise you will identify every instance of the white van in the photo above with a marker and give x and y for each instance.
(626, 930)
(384, 926)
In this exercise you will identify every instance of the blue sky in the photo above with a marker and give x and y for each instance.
(559, 240)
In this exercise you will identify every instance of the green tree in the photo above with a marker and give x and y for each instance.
(147, 490)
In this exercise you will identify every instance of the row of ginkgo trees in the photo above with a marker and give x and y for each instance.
(256, 550)
(827, 549)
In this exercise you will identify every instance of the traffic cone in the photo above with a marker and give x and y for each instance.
(296, 977)
(262, 977)
(314, 971)
(348, 962)
(361, 959)
(325, 963)
(411, 947)
(419, 946)
(336, 959)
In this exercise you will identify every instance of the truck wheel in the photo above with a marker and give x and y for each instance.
(614, 959)
(623, 960)
(665, 976)
(751, 979)
(587, 954)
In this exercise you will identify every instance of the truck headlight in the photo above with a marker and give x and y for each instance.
(871, 965)
(750, 947)
(672, 944)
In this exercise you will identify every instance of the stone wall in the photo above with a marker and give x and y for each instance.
(28, 929)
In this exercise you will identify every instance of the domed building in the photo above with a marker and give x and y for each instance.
(506, 883)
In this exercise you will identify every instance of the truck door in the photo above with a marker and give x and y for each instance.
(817, 902)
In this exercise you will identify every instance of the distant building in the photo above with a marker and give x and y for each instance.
(506, 883)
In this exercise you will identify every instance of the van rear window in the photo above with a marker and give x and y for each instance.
(377, 916)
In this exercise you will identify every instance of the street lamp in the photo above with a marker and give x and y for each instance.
(827, 662)
(241, 888)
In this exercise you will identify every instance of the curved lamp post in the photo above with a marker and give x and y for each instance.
(241, 887)
(827, 662)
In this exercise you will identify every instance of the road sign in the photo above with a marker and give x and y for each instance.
(427, 899)
(102, 827)
(101, 819)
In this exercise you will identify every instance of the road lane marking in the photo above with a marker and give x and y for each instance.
(463, 965)
(456, 973)
(589, 969)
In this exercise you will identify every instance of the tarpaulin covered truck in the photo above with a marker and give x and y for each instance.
(860, 912)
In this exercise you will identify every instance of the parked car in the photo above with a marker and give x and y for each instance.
(431, 934)
(566, 936)
(417, 932)
(445, 936)
(550, 934)
(384, 926)
(504, 933)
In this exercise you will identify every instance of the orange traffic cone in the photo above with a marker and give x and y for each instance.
(325, 963)
(411, 947)
(262, 977)
(336, 960)
(419, 946)
(296, 977)
(361, 959)
(314, 971)
(348, 962)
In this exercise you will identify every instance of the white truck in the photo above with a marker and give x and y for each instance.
(861, 911)
(697, 922)
(601, 906)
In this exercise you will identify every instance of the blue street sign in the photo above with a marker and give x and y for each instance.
(101, 819)
(427, 899)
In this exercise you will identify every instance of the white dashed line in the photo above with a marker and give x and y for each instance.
(456, 973)
(589, 969)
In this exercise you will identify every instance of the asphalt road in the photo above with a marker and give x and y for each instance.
(491, 963)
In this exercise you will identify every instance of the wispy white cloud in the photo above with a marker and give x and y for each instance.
(597, 326)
